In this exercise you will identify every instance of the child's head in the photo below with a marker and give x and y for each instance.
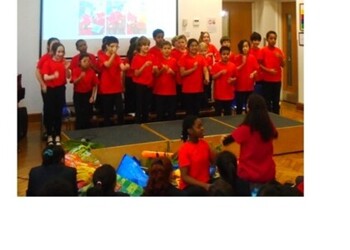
(158, 36)
(84, 60)
(52, 154)
(192, 46)
(112, 44)
(226, 163)
(256, 103)
(81, 45)
(181, 41)
(104, 179)
(166, 48)
(204, 37)
(225, 53)
(159, 174)
(225, 41)
(192, 128)
(271, 37)
(243, 46)
(50, 42)
(143, 44)
(58, 51)
(174, 42)
(255, 39)
(203, 48)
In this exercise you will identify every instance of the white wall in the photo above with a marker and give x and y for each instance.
(301, 61)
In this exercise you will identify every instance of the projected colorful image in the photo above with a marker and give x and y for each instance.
(113, 17)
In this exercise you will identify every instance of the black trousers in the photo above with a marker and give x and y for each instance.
(165, 107)
(143, 103)
(112, 103)
(271, 92)
(192, 103)
(223, 105)
(130, 95)
(54, 101)
(242, 100)
(83, 110)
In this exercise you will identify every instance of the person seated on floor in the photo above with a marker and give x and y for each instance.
(104, 180)
(51, 171)
(225, 185)
(275, 188)
(159, 181)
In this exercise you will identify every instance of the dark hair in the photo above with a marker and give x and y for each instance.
(269, 33)
(51, 39)
(191, 40)
(200, 39)
(274, 188)
(187, 123)
(111, 39)
(224, 39)
(79, 41)
(55, 46)
(132, 48)
(226, 163)
(52, 154)
(104, 180)
(255, 36)
(241, 43)
(224, 48)
(156, 32)
(159, 177)
(258, 118)
(104, 40)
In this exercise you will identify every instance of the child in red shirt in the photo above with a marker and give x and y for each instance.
(195, 157)
(247, 67)
(85, 89)
(255, 136)
(255, 39)
(82, 48)
(164, 89)
(143, 66)
(55, 72)
(194, 72)
(110, 89)
(224, 75)
(272, 60)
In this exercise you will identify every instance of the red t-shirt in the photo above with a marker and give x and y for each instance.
(85, 84)
(157, 52)
(165, 83)
(42, 60)
(255, 163)
(196, 157)
(49, 68)
(110, 78)
(223, 90)
(244, 82)
(268, 58)
(192, 83)
(146, 76)
(177, 54)
(212, 49)
(255, 52)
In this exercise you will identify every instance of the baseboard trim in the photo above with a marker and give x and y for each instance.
(300, 106)
(34, 117)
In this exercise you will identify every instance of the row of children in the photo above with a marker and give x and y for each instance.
(253, 174)
(161, 72)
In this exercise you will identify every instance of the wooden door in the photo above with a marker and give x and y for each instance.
(289, 47)
(239, 22)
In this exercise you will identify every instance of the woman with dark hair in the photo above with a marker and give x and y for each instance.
(50, 173)
(255, 136)
(159, 181)
(104, 180)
